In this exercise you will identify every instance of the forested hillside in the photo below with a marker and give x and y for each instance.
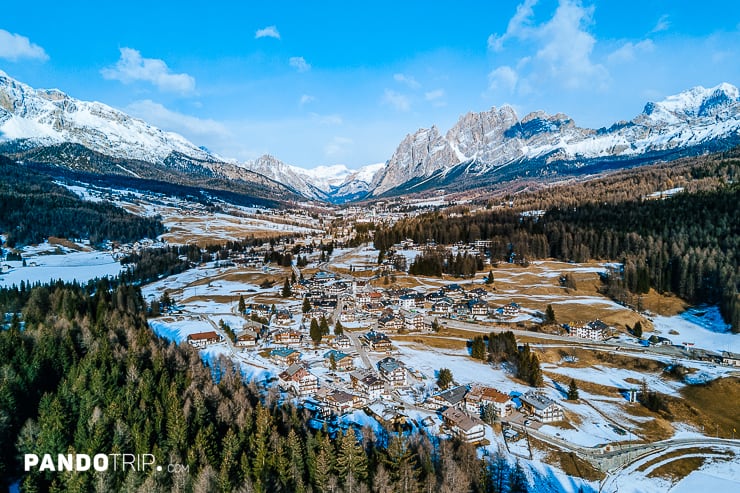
(686, 244)
(87, 375)
(33, 207)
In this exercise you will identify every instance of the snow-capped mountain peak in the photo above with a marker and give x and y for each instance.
(490, 143)
(49, 116)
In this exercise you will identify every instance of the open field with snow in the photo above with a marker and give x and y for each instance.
(73, 266)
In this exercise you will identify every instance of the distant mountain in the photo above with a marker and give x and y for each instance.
(336, 184)
(494, 146)
(50, 127)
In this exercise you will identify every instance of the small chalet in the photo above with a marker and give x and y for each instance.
(510, 310)
(390, 322)
(454, 397)
(342, 361)
(285, 356)
(203, 339)
(442, 307)
(730, 359)
(248, 338)
(412, 321)
(378, 341)
(454, 291)
(288, 337)
(541, 408)
(342, 341)
(261, 310)
(407, 301)
(367, 384)
(479, 293)
(373, 308)
(393, 371)
(283, 317)
(299, 380)
(595, 330)
(466, 428)
(340, 402)
(362, 297)
(478, 308)
(322, 277)
(479, 397)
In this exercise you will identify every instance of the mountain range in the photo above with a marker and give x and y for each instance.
(481, 149)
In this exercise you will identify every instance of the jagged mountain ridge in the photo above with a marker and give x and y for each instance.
(480, 149)
(493, 146)
(48, 126)
(335, 184)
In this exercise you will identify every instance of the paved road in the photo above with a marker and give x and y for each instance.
(361, 350)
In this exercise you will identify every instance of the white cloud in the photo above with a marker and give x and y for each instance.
(410, 82)
(307, 98)
(435, 94)
(628, 51)
(338, 147)
(568, 47)
(518, 27)
(133, 67)
(563, 49)
(267, 32)
(503, 78)
(397, 100)
(662, 25)
(190, 126)
(436, 97)
(332, 119)
(299, 63)
(14, 47)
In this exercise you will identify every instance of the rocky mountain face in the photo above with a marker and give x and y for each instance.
(495, 145)
(48, 126)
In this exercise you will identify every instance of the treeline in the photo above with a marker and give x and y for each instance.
(686, 244)
(153, 263)
(86, 375)
(437, 262)
(33, 207)
(693, 174)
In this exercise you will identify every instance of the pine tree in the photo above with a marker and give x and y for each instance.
(549, 315)
(306, 305)
(315, 332)
(572, 390)
(351, 462)
(478, 348)
(287, 292)
(324, 326)
(489, 279)
(637, 330)
(242, 307)
(338, 328)
(444, 378)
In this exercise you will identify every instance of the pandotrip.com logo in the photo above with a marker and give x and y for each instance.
(98, 463)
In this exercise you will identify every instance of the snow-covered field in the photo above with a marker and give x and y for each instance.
(701, 326)
(79, 266)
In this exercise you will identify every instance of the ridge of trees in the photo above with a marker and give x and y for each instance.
(87, 375)
(33, 207)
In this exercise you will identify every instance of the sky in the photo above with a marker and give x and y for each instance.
(325, 83)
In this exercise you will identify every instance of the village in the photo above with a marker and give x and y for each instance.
(348, 341)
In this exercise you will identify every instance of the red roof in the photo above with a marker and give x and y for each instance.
(203, 336)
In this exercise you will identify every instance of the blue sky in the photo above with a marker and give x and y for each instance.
(339, 83)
